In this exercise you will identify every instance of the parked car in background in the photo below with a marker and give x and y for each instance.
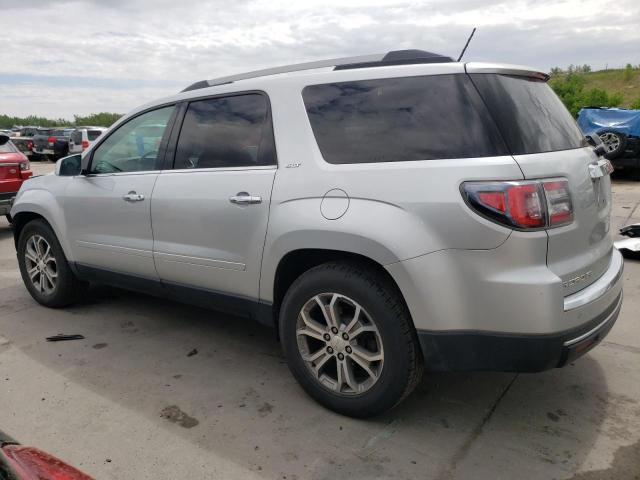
(84, 137)
(56, 143)
(619, 130)
(14, 169)
(406, 211)
(23, 139)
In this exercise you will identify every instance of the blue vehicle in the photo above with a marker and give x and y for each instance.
(619, 130)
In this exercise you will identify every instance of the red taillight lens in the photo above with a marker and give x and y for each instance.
(51, 140)
(559, 203)
(525, 206)
(32, 464)
(85, 144)
(522, 204)
(30, 146)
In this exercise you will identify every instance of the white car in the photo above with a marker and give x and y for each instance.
(83, 137)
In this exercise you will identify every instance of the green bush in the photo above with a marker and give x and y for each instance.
(102, 119)
(570, 89)
(636, 104)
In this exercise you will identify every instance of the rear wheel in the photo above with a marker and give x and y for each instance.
(44, 268)
(349, 340)
(614, 143)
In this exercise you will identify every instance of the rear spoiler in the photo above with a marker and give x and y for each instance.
(505, 69)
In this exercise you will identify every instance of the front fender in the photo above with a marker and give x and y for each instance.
(43, 203)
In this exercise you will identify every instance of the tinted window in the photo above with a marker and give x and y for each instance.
(93, 134)
(226, 132)
(134, 146)
(401, 119)
(529, 114)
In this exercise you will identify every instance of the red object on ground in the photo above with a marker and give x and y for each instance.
(28, 463)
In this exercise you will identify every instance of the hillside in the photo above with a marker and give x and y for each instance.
(604, 88)
(613, 81)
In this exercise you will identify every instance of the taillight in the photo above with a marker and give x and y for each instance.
(28, 463)
(52, 141)
(30, 146)
(85, 144)
(522, 204)
(24, 165)
(559, 206)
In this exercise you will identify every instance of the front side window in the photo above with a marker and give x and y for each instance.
(134, 146)
(401, 119)
(226, 132)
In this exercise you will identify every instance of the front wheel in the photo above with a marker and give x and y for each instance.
(44, 267)
(349, 340)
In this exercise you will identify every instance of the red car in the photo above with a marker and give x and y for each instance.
(14, 169)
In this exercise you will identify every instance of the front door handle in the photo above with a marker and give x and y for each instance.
(243, 198)
(133, 197)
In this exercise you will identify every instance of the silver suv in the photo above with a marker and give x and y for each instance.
(386, 213)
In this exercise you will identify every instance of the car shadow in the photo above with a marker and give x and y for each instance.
(221, 383)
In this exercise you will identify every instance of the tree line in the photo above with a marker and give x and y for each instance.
(102, 119)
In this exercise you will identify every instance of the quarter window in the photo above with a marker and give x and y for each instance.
(134, 146)
(226, 132)
(401, 119)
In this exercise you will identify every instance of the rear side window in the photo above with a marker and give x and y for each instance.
(401, 119)
(226, 132)
(93, 134)
(530, 115)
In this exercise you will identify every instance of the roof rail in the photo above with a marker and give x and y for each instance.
(398, 57)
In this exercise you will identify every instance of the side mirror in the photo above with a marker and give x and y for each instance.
(3, 138)
(596, 142)
(69, 166)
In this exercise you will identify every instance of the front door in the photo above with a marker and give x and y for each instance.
(210, 212)
(108, 211)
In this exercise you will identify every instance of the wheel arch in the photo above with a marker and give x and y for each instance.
(296, 262)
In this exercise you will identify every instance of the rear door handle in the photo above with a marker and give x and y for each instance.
(133, 197)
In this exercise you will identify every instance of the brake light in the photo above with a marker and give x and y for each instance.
(24, 166)
(85, 144)
(30, 146)
(52, 141)
(32, 464)
(522, 204)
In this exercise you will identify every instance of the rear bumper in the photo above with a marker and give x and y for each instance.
(504, 309)
(460, 351)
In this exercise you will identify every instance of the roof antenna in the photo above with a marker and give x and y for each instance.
(467, 44)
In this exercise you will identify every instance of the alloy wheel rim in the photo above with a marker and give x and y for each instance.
(41, 265)
(339, 344)
(611, 141)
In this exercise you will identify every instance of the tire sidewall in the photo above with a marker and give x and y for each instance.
(57, 298)
(392, 382)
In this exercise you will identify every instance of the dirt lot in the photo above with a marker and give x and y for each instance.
(130, 402)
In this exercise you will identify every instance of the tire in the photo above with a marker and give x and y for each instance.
(388, 335)
(54, 283)
(614, 142)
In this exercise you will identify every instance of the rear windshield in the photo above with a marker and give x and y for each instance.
(401, 119)
(93, 134)
(530, 115)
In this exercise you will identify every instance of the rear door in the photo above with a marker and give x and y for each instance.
(210, 211)
(546, 142)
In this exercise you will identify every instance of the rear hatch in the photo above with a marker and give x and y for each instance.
(546, 142)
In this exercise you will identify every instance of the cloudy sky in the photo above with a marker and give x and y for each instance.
(58, 58)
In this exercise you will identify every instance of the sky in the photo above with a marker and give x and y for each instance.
(60, 58)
